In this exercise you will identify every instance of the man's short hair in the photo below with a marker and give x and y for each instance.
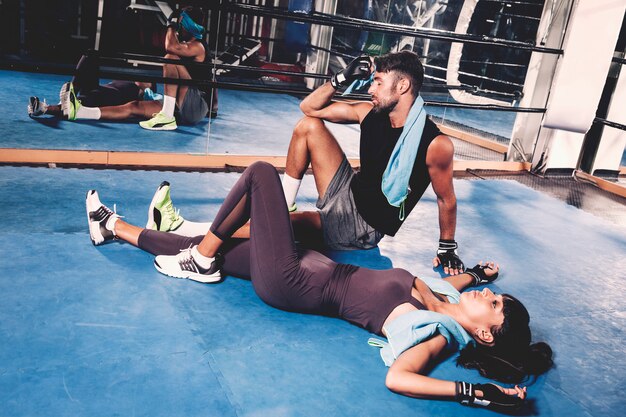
(406, 63)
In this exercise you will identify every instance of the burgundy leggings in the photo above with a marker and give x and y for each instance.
(284, 277)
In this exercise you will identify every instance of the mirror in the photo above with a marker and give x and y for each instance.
(264, 56)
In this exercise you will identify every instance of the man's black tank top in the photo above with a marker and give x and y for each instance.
(378, 139)
(199, 72)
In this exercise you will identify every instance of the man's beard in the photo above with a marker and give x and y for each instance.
(384, 106)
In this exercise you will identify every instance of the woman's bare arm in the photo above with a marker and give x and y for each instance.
(406, 375)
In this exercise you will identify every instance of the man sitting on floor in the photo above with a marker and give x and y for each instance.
(183, 42)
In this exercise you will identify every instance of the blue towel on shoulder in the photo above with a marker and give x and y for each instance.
(418, 326)
(395, 184)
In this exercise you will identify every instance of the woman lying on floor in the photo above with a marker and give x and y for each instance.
(492, 330)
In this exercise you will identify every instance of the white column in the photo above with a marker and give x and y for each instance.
(580, 77)
(613, 140)
(322, 36)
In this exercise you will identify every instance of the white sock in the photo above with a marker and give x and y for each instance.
(169, 105)
(290, 189)
(88, 113)
(203, 261)
(192, 229)
(110, 225)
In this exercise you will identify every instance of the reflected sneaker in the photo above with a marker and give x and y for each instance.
(69, 102)
(98, 215)
(159, 121)
(162, 215)
(36, 107)
(184, 265)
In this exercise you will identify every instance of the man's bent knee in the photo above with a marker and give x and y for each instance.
(308, 125)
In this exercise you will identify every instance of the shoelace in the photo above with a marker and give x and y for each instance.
(169, 210)
(185, 260)
(103, 211)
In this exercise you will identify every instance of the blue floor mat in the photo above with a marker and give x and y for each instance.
(98, 331)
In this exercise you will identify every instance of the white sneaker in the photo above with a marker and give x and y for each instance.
(97, 217)
(184, 266)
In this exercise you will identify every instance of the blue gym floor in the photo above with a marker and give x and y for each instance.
(97, 331)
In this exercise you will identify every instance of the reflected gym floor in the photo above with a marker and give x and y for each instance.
(98, 331)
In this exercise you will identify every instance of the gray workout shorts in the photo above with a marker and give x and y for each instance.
(194, 108)
(342, 225)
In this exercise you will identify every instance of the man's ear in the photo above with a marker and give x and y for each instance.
(404, 85)
(484, 336)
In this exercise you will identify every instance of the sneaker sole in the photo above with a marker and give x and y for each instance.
(205, 279)
(150, 225)
(161, 127)
(94, 227)
(63, 98)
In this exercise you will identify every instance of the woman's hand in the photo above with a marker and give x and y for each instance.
(518, 391)
(490, 395)
(484, 273)
(491, 268)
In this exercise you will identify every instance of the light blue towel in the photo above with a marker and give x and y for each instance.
(149, 95)
(395, 184)
(417, 326)
(190, 26)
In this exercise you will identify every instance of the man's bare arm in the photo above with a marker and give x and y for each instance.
(183, 49)
(319, 104)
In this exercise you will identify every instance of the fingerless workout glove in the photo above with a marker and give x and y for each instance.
(478, 273)
(172, 21)
(358, 69)
(447, 254)
(492, 397)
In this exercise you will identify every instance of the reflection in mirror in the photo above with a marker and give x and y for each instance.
(264, 58)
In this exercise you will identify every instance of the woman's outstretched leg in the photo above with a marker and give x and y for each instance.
(106, 225)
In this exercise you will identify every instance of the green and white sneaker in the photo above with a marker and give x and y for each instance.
(293, 208)
(162, 215)
(69, 103)
(159, 121)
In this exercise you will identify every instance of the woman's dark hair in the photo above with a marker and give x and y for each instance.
(512, 358)
(405, 62)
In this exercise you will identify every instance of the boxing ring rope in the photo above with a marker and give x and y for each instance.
(128, 58)
(609, 123)
(368, 25)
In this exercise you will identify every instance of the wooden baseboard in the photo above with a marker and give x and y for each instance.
(121, 160)
(612, 187)
(156, 160)
(476, 140)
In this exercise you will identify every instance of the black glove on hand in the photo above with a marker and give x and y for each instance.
(492, 397)
(359, 68)
(478, 273)
(172, 21)
(447, 255)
